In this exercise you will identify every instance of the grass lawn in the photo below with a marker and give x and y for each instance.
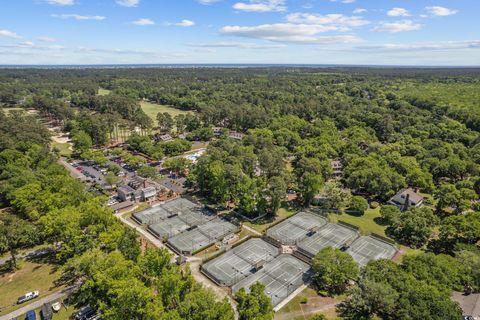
(103, 92)
(262, 225)
(7, 110)
(31, 277)
(63, 314)
(151, 109)
(296, 310)
(367, 222)
(63, 147)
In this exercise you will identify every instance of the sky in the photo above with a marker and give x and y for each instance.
(350, 32)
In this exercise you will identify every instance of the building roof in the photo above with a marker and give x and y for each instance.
(166, 137)
(126, 189)
(401, 196)
(336, 164)
(122, 205)
(149, 191)
(470, 304)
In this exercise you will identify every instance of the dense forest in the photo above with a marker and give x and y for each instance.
(389, 128)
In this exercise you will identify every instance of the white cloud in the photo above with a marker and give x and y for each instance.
(426, 46)
(9, 34)
(398, 12)
(183, 23)
(241, 45)
(207, 2)
(441, 11)
(261, 6)
(144, 22)
(359, 11)
(128, 3)
(61, 2)
(78, 17)
(344, 1)
(46, 39)
(26, 44)
(289, 33)
(398, 26)
(340, 22)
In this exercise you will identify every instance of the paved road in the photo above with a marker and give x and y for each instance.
(38, 303)
(73, 171)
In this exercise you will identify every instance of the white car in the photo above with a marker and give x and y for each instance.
(28, 296)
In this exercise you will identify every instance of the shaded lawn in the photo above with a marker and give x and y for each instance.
(296, 310)
(31, 277)
(262, 225)
(368, 222)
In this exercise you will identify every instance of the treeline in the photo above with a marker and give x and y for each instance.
(94, 249)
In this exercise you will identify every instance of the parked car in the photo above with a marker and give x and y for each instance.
(85, 313)
(31, 315)
(47, 312)
(28, 296)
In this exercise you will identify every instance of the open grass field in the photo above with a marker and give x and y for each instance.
(64, 148)
(31, 276)
(103, 92)
(368, 223)
(261, 226)
(151, 109)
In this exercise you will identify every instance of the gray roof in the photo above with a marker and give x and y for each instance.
(125, 189)
(401, 196)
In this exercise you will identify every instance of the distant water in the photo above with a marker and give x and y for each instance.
(225, 66)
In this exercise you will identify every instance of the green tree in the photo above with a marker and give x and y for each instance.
(390, 213)
(334, 270)
(255, 305)
(147, 171)
(358, 204)
(414, 227)
(82, 142)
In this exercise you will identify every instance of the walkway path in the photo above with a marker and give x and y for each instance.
(38, 303)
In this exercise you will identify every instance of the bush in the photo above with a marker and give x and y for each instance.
(358, 204)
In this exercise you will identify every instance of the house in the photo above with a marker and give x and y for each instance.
(236, 135)
(337, 168)
(126, 193)
(148, 193)
(406, 198)
(165, 137)
(138, 189)
(470, 304)
(217, 131)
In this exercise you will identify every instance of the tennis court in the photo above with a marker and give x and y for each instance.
(296, 228)
(368, 248)
(331, 235)
(202, 236)
(281, 277)
(152, 215)
(169, 227)
(240, 262)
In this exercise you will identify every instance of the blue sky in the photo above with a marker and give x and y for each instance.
(389, 32)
